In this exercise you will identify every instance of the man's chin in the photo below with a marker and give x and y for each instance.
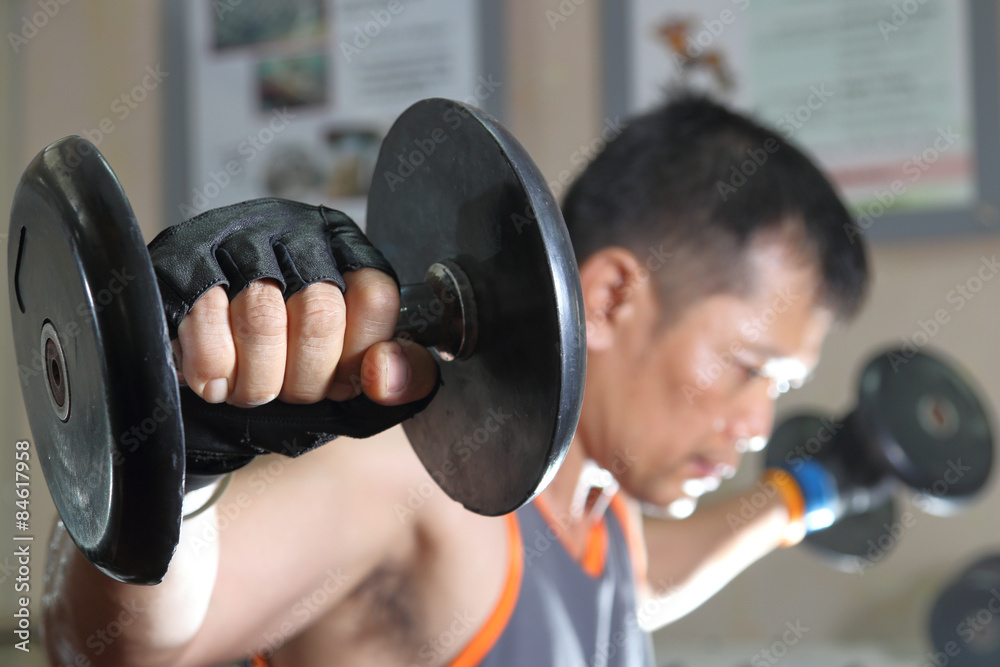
(674, 506)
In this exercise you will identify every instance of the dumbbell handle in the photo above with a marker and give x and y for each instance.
(440, 312)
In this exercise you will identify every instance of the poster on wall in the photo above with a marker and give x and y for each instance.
(292, 99)
(885, 99)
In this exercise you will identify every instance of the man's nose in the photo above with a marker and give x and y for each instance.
(752, 419)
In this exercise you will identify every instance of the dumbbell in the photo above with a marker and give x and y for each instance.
(918, 427)
(964, 621)
(489, 282)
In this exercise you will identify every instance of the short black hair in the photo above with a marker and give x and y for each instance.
(700, 182)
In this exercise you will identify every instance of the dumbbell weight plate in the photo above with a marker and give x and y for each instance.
(866, 535)
(451, 183)
(962, 617)
(932, 431)
(94, 362)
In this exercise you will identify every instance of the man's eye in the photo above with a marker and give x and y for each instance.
(753, 372)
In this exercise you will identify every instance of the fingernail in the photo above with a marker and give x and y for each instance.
(397, 371)
(216, 391)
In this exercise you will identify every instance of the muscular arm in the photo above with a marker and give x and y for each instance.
(84, 609)
(691, 559)
(283, 525)
(284, 529)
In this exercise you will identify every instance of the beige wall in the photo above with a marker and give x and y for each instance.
(67, 76)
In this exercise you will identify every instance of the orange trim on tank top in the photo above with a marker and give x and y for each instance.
(632, 540)
(595, 552)
(486, 639)
(483, 643)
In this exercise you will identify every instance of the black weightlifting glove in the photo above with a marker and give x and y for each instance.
(296, 245)
(290, 242)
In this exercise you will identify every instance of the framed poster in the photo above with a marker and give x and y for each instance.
(292, 99)
(898, 101)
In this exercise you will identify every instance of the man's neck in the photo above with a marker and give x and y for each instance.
(580, 492)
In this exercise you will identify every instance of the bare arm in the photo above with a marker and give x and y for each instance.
(89, 614)
(283, 526)
(284, 529)
(691, 559)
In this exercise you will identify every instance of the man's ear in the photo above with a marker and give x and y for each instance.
(614, 282)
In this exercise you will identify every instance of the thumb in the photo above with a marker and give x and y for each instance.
(397, 372)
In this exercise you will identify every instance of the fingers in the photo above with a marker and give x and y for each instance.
(397, 372)
(208, 355)
(316, 324)
(260, 334)
(255, 348)
(372, 301)
(321, 343)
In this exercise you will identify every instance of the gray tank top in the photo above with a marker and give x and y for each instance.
(564, 617)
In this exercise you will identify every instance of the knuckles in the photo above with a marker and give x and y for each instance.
(211, 310)
(263, 315)
(320, 315)
(259, 319)
(377, 299)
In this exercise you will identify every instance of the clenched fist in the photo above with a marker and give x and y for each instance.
(321, 343)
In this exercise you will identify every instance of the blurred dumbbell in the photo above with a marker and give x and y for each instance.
(919, 427)
(965, 618)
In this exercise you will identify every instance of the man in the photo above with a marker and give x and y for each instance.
(705, 297)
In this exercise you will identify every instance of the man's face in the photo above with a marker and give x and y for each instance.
(670, 410)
